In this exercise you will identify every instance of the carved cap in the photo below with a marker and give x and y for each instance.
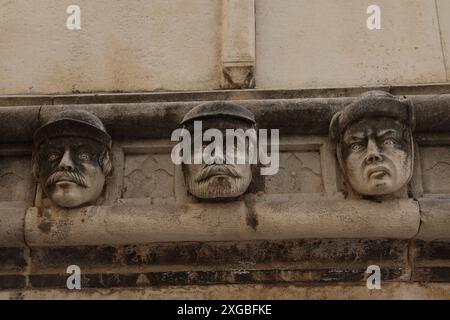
(73, 123)
(219, 108)
(372, 104)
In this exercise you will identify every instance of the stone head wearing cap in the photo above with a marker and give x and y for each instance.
(374, 143)
(223, 176)
(71, 158)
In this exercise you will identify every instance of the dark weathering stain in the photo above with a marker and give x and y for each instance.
(252, 218)
(45, 226)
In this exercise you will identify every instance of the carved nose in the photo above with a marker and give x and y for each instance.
(374, 158)
(373, 153)
(216, 158)
(219, 159)
(66, 162)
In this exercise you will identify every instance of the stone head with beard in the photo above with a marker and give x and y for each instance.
(71, 158)
(218, 181)
(374, 143)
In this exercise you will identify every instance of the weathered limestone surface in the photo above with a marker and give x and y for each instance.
(230, 262)
(307, 43)
(223, 222)
(444, 12)
(11, 226)
(336, 219)
(435, 219)
(394, 291)
(219, 256)
(122, 46)
(207, 45)
(431, 261)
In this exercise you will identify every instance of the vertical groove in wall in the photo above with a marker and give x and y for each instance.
(444, 58)
(238, 44)
(256, 52)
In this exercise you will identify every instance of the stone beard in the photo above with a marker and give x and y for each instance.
(72, 170)
(377, 155)
(217, 180)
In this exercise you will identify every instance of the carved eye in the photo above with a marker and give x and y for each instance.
(84, 156)
(356, 147)
(389, 142)
(53, 157)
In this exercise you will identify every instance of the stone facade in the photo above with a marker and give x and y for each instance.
(364, 150)
(298, 227)
(181, 45)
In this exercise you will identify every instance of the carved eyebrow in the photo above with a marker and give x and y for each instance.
(355, 138)
(386, 132)
(50, 149)
(82, 145)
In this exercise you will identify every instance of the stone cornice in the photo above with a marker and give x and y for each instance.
(149, 120)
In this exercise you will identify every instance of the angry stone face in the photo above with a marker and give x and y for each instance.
(377, 155)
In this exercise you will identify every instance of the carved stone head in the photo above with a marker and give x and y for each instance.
(374, 143)
(215, 181)
(71, 159)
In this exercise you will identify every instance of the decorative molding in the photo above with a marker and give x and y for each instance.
(277, 220)
(184, 96)
(238, 44)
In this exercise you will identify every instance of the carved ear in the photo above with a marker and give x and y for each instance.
(411, 129)
(106, 163)
(35, 166)
(334, 133)
(334, 127)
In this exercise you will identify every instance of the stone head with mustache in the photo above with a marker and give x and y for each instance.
(71, 159)
(374, 143)
(218, 181)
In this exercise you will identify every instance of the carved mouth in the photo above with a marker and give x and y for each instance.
(64, 181)
(377, 172)
(218, 175)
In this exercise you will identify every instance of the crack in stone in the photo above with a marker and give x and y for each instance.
(26, 254)
(436, 164)
(39, 115)
(411, 244)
